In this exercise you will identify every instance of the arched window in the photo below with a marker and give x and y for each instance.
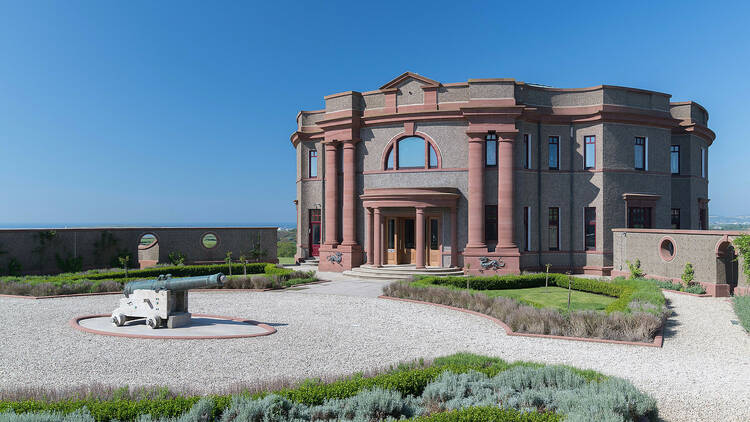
(411, 153)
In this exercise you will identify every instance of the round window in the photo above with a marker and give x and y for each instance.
(667, 249)
(209, 240)
(146, 241)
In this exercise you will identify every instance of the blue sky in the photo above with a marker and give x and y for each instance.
(180, 112)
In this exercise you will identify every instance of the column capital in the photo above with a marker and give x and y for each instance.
(420, 210)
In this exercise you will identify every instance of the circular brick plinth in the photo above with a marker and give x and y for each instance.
(202, 327)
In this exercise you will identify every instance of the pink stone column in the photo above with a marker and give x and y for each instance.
(369, 235)
(476, 193)
(377, 235)
(454, 237)
(420, 237)
(505, 194)
(331, 208)
(349, 216)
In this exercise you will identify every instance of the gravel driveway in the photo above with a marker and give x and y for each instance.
(702, 373)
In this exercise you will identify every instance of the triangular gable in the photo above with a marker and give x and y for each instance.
(408, 75)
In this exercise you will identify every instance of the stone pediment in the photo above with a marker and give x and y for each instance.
(409, 77)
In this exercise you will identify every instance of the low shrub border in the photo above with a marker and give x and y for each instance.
(435, 390)
(658, 337)
(638, 314)
(269, 277)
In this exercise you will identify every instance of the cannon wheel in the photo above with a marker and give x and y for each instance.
(118, 319)
(153, 321)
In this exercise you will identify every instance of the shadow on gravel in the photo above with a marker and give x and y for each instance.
(670, 326)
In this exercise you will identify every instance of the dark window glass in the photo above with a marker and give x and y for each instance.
(409, 233)
(703, 219)
(640, 153)
(315, 215)
(526, 151)
(674, 159)
(526, 234)
(639, 217)
(554, 152)
(315, 226)
(391, 233)
(389, 160)
(553, 227)
(490, 223)
(589, 217)
(411, 152)
(433, 157)
(433, 234)
(490, 150)
(675, 218)
(590, 152)
(312, 164)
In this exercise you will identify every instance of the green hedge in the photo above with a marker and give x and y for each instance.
(624, 290)
(406, 379)
(488, 414)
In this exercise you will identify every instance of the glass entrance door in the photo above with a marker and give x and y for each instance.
(433, 255)
(314, 232)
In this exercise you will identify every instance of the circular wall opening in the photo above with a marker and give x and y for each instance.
(209, 240)
(667, 249)
(146, 241)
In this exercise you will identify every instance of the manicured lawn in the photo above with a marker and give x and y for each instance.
(555, 297)
(286, 260)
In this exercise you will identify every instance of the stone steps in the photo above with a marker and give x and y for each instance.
(399, 272)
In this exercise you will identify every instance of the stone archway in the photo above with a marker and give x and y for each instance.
(727, 265)
(148, 250)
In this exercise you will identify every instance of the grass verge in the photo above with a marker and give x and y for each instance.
(742, 309)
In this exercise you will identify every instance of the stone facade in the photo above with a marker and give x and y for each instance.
(36, 250)
(353, 135)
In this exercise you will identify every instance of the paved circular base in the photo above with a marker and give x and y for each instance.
(202, 327)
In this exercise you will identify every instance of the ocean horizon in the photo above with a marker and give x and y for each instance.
(281, 225)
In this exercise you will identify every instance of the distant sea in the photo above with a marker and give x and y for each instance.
(281, 225)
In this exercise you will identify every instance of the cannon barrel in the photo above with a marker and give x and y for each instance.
(175, 284)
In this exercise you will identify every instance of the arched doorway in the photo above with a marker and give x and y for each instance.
(727, 267)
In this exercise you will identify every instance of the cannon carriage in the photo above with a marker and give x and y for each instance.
(162, 301)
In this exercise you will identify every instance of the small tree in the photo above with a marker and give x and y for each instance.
(546, 278)
(243, 260)
(177, 258)
(228, 260)
(635, 269)
(124, 261)
(688, 275)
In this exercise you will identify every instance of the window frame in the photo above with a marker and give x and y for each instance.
(703, 163)
(556, 226)
(647, 217)
(672, 215)
(643, 153)
(527, 229)
(490, 220)
(557, 151)
(527, 151)
(586, 143)
(312, 170)
(490, 137)
(392, 155)
(586, 225)
(672, 150)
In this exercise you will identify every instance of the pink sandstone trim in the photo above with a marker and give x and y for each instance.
(658, 338)
(269, 330)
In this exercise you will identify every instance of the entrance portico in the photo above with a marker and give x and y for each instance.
(404, 225)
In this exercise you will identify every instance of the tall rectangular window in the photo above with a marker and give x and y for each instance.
(589, 152)
(553, 228)
(674, 159)
(312, 164)
(490, 150)
(703, 163)
(554, 152)
(639, 217)
(526, 151)
(703, 219)
(490, 223)
(589, 229)
(526, 229)
(675, 218)
(640, 153)
(391, 233)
